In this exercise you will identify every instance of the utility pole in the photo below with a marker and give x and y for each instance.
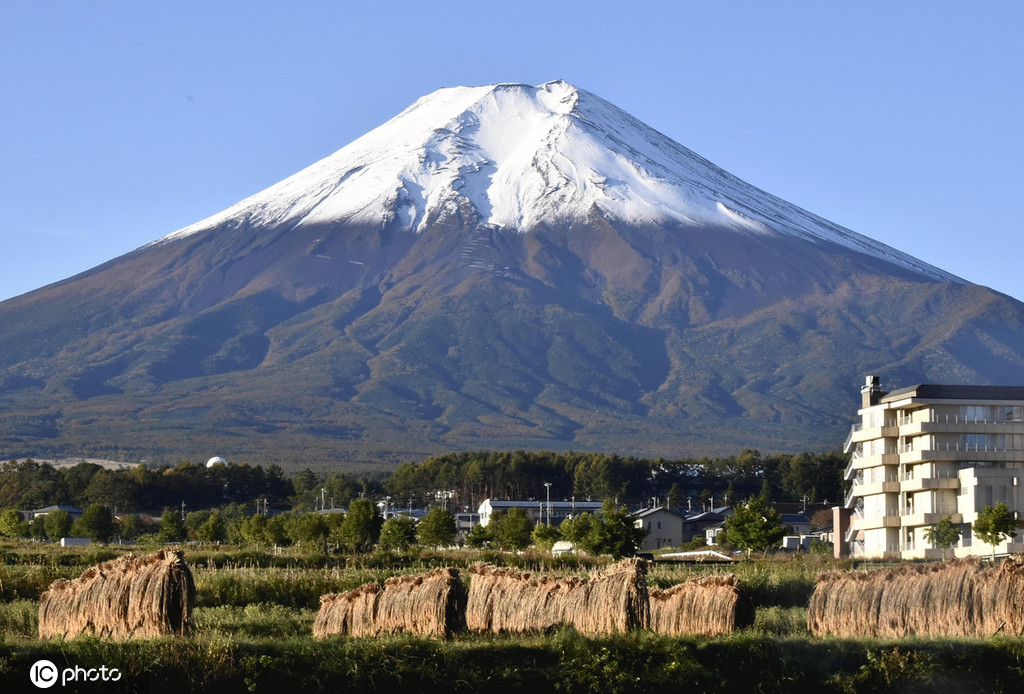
(548, 486)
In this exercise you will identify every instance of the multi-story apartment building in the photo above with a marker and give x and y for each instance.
(925, 452)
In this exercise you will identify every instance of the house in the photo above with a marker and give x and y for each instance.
(464, 522)
(664, 527)
(697, 525)
(75, 513)
(798, 523)
(927, 452)
(712, 532)
(540, 511)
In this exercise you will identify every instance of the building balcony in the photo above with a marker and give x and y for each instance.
(959, 452)
(865, 461)
(918, 484)
(870, 433)
(889, 486)
(872, 522)
(911, 517)
(952, 424)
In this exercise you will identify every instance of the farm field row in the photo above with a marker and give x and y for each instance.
(252, 631)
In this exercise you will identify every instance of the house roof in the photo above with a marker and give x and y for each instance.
(584, 505)
(706, 517)
(57, 507)
(644, 512)
(933, 391)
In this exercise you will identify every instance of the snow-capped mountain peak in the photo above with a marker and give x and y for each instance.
(522, 156)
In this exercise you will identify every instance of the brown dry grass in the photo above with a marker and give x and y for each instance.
(508, 601)
(431, 604)
(957, 598)
(703, 606)
(129, 597)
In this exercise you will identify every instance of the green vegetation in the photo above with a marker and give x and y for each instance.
(943, 534)
(995, 524)
(755, 525)
(255, 611)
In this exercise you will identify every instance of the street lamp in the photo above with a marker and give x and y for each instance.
(548, 486)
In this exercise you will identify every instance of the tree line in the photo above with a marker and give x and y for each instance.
(471, 477)
(454, 480)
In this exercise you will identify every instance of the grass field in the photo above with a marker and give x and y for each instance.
(254, 614)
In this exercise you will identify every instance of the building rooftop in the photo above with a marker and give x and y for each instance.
(931, 391)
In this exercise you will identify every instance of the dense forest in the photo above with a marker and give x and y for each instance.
(454, 480)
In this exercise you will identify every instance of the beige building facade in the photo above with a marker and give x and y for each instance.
(922, 453)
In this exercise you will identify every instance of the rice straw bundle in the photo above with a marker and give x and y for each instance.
(956, 598)
(129, 597)
(704, 606)
(430, 604)
(507, 601)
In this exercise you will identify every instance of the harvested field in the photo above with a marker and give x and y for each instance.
(508, 601)
(129, 597)
(701, 606)
(431, 604)
(959, 598)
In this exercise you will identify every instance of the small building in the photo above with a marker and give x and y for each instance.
(697, 525)
(561, 548)
(712, 532)
(464, 522)
(74, 512)
(797, 542)
(798, 523)
(540, 511)
(664, 527)
(75, 542)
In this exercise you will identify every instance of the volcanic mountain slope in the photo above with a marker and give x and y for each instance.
(496, 267)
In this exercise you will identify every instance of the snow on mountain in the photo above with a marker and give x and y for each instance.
(523, 156)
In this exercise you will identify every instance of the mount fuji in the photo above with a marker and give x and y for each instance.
(496, 267)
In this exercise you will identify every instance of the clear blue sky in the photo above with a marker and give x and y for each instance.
(124, 121)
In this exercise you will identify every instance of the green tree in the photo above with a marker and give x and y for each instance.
(943, 534)
(194, 519)
(617, 533)
(213, 529)
(11, 524)
(994, 524)
(309, 529)
(113, 489)
(398, 533)
(56, 524)
(360, 529)
(478, 537)
(754, 525)
(437, 528)
(511, 529)
(675, 496)
(276, 531)
(131, 527)
(545, 537)
(172, 527)
(581, 531)
(97, 523)
(253, 530)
